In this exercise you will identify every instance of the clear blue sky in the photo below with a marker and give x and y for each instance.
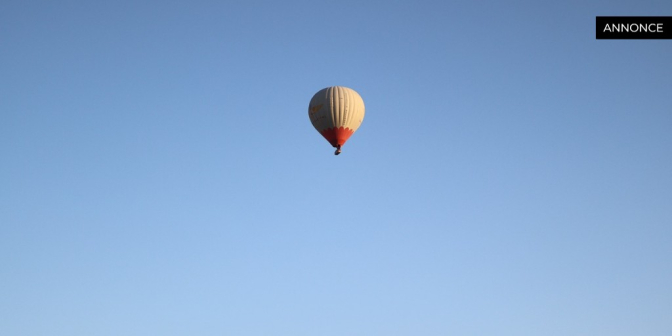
(159, 174)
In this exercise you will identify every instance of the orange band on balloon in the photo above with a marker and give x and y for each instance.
(337, 136)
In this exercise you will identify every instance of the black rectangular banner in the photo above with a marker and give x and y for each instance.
(633, 27)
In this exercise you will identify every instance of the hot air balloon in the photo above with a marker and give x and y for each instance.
(336, 112)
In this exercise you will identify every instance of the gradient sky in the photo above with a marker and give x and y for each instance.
(159, 174)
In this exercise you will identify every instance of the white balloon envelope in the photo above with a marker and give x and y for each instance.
(336, 112)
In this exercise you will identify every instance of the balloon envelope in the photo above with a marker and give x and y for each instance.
(336, 112)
